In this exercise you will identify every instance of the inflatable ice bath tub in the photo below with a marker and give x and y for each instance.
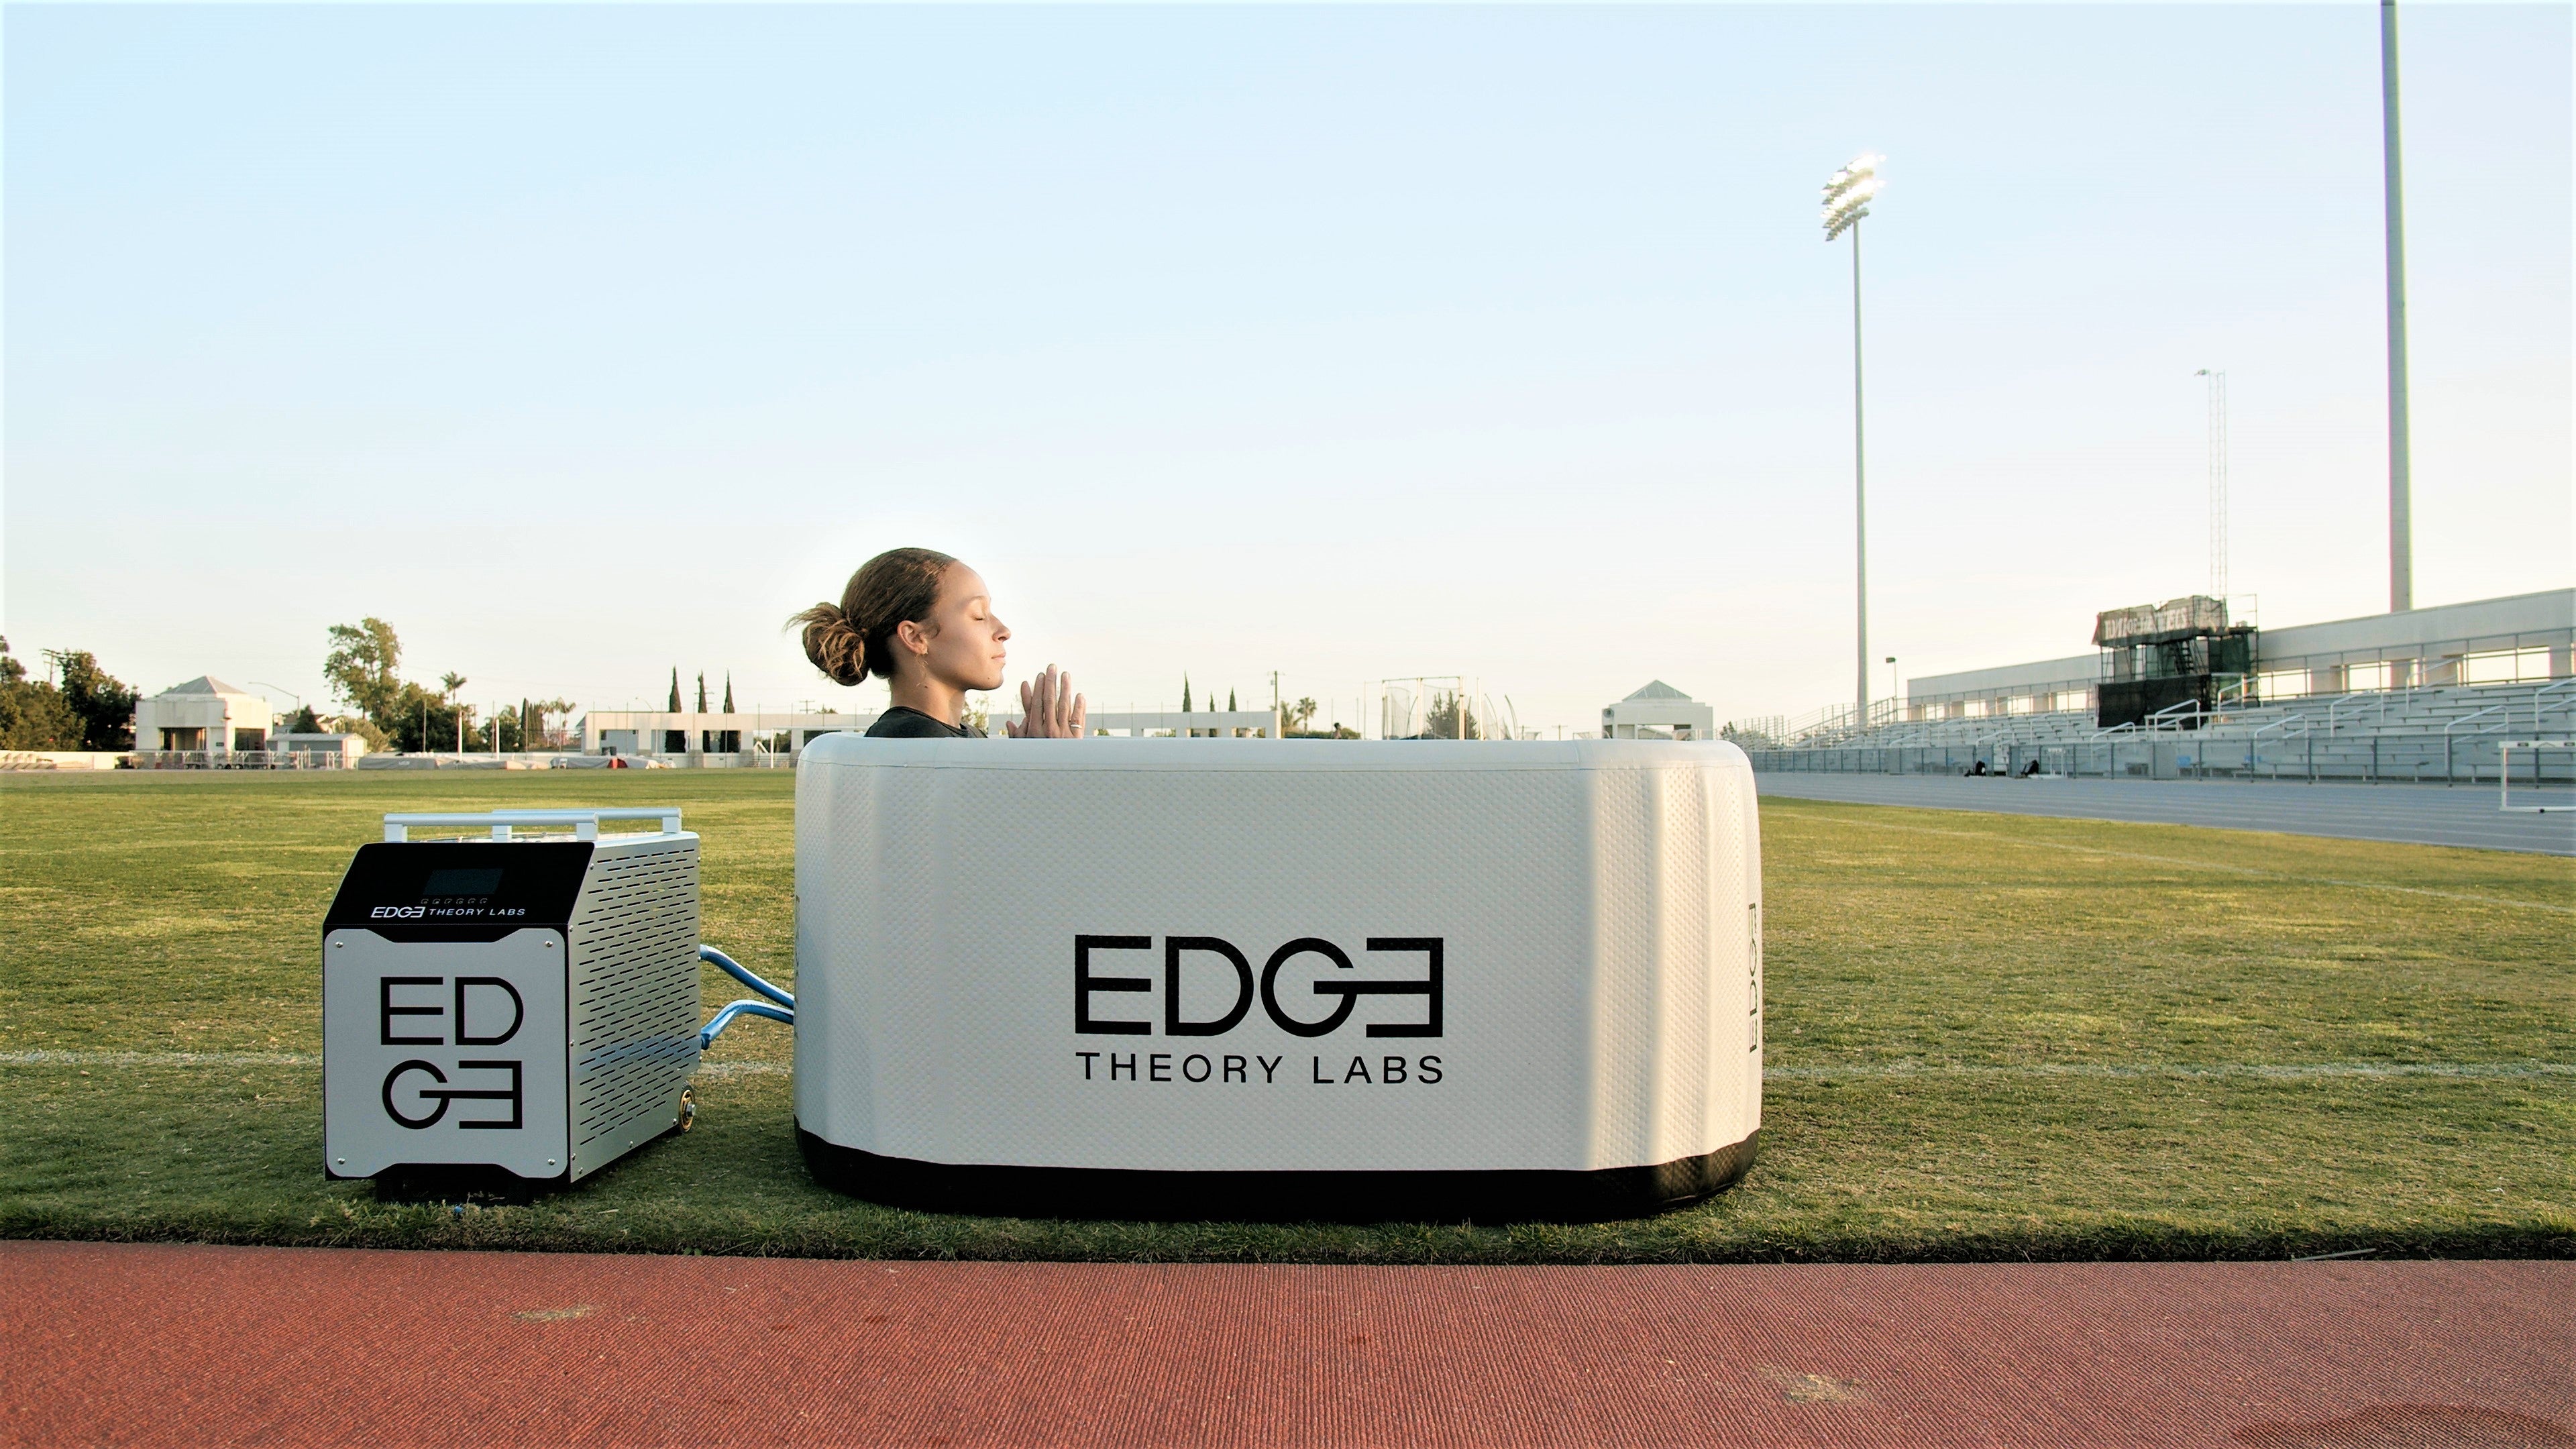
(1278, 979)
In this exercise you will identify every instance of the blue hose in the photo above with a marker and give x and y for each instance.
(742, 973)
(707, 1034)
(747, 1007)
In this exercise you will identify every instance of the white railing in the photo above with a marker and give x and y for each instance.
(583, 823)
(238, 760)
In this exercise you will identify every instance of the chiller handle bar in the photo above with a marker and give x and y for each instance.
(584, 823)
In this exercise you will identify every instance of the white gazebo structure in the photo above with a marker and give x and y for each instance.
(204, 715)
(1658, 712)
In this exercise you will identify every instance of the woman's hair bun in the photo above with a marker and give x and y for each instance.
(836, 648)
(854, 638)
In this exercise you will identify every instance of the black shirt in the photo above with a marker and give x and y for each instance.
(904, 723)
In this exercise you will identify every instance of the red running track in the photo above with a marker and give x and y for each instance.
(110, 1344)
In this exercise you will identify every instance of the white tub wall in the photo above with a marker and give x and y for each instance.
(990, 860)
(1670, 1043)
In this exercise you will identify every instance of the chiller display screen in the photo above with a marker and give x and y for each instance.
(427, 890)
(461, 883)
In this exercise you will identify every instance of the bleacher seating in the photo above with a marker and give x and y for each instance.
(2396, 734)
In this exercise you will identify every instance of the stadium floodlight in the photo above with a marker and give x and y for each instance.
(1847, 197)
(1847, 193)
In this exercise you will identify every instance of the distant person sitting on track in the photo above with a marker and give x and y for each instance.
(924, 623)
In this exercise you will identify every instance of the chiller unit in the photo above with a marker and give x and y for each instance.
(524, 1000)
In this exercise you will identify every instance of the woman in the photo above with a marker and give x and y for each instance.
(924, 623)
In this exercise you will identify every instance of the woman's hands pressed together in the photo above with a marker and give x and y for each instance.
(1049, 709)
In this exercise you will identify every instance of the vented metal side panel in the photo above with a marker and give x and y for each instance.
(634, 989)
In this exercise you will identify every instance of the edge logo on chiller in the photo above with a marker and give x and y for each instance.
(1429, 986)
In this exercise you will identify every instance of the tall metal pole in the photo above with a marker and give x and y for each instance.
(2401, 545)
(2217, 483)
(1847, 196)
(1860, 510)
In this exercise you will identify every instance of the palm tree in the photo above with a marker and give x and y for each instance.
(449, 683)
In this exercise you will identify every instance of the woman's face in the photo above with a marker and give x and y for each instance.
(962, 646)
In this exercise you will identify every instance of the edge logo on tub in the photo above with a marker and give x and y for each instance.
(1176, 949)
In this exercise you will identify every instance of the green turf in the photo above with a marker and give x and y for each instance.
(1990, 1037)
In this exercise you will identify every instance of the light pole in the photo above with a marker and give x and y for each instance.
(1893, 696)
(2217, 482)
(1847, 194)
(2401, 523)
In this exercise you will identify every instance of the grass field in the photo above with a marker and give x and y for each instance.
(1990, 1037)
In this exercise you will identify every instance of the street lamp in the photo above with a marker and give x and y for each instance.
(1892, 695)
(282, 689)
(1847, 197)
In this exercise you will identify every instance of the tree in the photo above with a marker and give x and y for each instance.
(702, 691)
(1185, 694)
(364, 728)
(538, 710)
(304, 722)
(459, 717)
(728, 691)
(104, 704)
(675, 689)
(1296, 718)
(33, 714)
(423, 721)
(1229, 701)
(1451, 718)
(363, 668)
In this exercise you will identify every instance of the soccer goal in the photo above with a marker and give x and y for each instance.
(2504, 774)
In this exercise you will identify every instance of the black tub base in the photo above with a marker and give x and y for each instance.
(1102, 1192)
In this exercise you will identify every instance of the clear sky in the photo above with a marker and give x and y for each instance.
(1347, 342)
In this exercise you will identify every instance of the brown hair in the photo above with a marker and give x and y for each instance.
(853, 639)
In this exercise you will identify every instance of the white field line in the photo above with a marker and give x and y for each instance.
(279, 1059)
(2363, 885)
(159, 1059)
(2258, 1071)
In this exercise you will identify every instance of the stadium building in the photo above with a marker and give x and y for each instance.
(2178, 689)
(204, 716)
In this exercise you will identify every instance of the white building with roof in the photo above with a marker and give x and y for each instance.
(1658, 712)
(205, 714)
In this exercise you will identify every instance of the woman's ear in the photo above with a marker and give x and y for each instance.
(913, 636)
